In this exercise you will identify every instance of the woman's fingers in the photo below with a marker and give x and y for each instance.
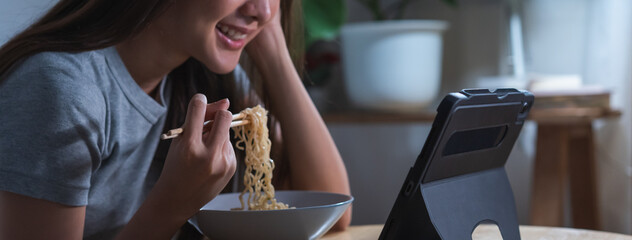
(194, 121)
(221, 125)
(213, 107)
(211, 111)
(198, 112)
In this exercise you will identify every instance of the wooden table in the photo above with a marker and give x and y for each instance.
(489, 232)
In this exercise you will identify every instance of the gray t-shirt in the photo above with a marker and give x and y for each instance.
(76, 129)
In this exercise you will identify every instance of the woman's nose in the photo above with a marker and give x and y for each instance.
(258, 10)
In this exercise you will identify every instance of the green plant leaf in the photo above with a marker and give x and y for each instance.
(323, 19)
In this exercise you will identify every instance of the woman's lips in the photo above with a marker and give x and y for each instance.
(231, 38)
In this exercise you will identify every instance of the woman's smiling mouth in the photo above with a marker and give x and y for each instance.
(232, 33)
(232, 37)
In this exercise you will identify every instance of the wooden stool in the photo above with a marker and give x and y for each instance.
(565, 156)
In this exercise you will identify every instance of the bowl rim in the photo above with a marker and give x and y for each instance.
(348, 201)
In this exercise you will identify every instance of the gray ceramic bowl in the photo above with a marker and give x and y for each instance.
(313, 215)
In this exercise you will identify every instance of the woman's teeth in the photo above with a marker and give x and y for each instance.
(230, 33)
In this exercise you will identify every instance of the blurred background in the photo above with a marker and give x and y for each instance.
(377, 70)
(574, 55)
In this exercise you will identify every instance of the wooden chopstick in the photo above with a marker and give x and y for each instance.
(237, 121)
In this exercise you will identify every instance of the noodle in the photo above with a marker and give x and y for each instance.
(253, 139)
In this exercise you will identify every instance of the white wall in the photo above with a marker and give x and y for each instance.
(607, 63)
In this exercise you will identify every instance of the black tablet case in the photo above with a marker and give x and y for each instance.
(459, 181)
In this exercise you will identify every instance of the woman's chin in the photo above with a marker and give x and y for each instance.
(218, 61)
(223, 67)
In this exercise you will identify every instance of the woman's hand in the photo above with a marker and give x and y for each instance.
(269, 42)
(198, 164)
(197, 168)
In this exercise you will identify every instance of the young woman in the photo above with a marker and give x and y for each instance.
(87, 90)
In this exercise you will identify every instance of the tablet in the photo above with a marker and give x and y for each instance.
(458, 180)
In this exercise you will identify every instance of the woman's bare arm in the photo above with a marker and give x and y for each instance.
(315, 161)
(25, 217)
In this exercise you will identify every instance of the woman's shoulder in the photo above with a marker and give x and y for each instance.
(53, 78)
(75, 70)
(65, 62)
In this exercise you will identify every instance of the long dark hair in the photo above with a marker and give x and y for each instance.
(80, 25)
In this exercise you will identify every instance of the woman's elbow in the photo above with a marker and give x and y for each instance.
(343, 222)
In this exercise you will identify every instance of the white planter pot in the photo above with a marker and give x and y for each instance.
(392, 65)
